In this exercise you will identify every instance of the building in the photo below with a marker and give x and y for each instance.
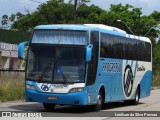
(9, 57)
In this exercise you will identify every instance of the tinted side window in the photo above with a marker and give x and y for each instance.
(124, 48)
(148, 52)
(106, 45)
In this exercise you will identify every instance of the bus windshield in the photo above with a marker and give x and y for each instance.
(56, 64)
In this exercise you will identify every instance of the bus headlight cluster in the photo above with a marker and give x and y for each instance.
(77, 89)
(30, 87)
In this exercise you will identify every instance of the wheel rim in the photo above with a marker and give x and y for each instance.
(100, 100)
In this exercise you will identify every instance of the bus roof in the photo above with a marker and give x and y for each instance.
(64, 26)
(114, 29)
(96, 27)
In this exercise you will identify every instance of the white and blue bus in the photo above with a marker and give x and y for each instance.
(88, 64)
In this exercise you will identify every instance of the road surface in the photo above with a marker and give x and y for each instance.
(110, 110)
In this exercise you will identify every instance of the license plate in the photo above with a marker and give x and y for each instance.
(52, 98)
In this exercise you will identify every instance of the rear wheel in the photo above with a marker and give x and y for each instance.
(49, 106)
(135, 101)
(137, 96)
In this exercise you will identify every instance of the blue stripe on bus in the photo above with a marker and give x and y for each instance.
(145, 84)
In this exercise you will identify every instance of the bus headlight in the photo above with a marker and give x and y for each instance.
(30, 87)
(77, 89)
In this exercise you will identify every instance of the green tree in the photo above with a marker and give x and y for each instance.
(4, 21)
(77, 3)
(89, 14)
(7, 21)
(156, 15)
(52, 12)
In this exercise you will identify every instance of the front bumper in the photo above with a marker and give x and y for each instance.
(75, 98)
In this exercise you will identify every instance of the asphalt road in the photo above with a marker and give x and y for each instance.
(147, 105)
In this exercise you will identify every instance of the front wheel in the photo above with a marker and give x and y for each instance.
(49, 106)
(100, 101)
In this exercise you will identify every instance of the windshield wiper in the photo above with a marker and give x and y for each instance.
(49, 65)
(64, 78)
(57, 66)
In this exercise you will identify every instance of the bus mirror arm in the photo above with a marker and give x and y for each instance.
(89, 52)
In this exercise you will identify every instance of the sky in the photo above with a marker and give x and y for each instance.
(13, 6)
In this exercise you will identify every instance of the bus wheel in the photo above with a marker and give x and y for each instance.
(48, 106)
(100, 101)
(136, 99)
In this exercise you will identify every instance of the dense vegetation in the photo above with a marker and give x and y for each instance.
(14, 37)
(59, 12)
(11, 86)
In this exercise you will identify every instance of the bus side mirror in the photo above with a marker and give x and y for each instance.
(22, 48)
(89, 53)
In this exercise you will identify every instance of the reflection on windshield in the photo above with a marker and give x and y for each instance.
(57, 64)
(69, 65)
(40, 63)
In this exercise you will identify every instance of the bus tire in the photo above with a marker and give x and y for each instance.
(135, 101)
(100, 101)
(48, 106)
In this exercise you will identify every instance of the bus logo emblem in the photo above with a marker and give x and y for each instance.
(44, 87)
(128, 80)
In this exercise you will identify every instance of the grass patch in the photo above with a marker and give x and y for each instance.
(12, 90)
